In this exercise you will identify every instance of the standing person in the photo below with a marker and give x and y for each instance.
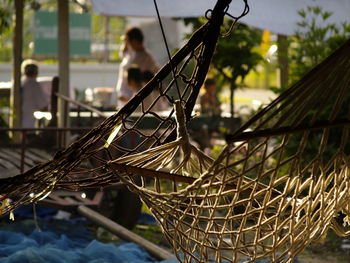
(33, 97)
(136, 80)
(133, 52)
(135, 83)
(210, 107)
(210, 104)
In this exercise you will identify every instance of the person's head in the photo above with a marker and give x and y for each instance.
(134, 38)
(30, 68)
(147, 76)
(134, 77)
(210, 85)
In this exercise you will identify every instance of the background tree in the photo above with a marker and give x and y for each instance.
(5, 15)
(235, 55)
(5, 22)
(312, 43)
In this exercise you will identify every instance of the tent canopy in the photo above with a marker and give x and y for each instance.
(279, 16)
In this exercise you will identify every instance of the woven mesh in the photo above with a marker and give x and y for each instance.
(85, 162)
(271, 192)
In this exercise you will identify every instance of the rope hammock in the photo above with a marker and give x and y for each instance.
(269, 194)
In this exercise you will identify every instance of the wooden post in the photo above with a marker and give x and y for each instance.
(123, 233)
(54, 100)
(106, 40)
(232, 100)
(63, 60)
(283, 60)
(15, 100)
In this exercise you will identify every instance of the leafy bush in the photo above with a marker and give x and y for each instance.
(235, 55)
(312, 43)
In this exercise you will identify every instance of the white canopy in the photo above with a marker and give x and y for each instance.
(279, 16)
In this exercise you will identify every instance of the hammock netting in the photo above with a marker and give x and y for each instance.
(272, 191)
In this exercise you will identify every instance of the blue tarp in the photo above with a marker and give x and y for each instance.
(67, 241)
(49, 247)
(28, 245)
(61, 242)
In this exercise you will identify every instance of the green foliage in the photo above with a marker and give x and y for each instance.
(195, 22)
(116, 26)
(7, 29)
(4, 103)
(116, 30)
(313, 43)
(235, 57)
(5, 52)
(5, 15)
(235, 54)
(5, 22)
(310, 45)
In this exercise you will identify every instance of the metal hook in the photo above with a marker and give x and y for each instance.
(236, 18)
(207, 14)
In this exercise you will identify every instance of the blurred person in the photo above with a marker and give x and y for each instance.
(146, 76)
(32, 95)
(210, 109)
(210, 104)
(136, 80)
(135, 83)
(133, 52)
(161, 104)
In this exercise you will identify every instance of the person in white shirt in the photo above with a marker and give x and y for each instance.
(32, 95)
(133, 53)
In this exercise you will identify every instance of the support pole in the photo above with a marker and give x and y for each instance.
(15, 100)
(106, 40)
(63, 60)
(283, 60)
(123, 233)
